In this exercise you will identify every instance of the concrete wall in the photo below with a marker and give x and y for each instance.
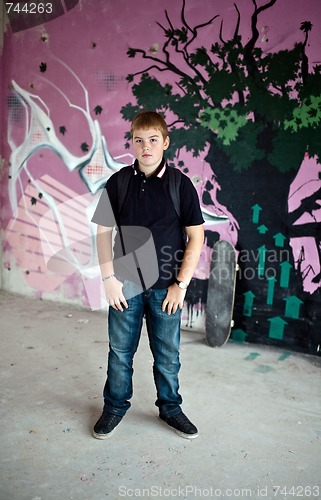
(64, 83)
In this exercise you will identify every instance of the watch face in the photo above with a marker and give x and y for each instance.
(181, 284)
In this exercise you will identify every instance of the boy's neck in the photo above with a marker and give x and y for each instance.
(148, 171)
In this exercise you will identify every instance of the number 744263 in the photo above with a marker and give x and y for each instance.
(29, 8)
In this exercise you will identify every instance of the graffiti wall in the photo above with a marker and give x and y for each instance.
(240, 86)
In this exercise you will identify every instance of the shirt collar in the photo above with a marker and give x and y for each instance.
(159, 172)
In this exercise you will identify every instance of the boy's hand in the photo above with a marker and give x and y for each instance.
(174, 299)
(114, 294)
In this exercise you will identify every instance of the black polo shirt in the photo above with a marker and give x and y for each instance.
(148, 210)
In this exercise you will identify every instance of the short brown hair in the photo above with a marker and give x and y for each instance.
(149, 119)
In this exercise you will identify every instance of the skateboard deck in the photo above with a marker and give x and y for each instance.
(220, 295)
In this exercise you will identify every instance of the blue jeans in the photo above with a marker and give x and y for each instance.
(124, 330)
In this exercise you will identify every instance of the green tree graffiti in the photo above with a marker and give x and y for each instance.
(259, 112)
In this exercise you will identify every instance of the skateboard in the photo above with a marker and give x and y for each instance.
(220, 295)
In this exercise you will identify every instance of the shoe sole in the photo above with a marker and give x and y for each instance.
(102, 436)
(183, 435)
(180, 433)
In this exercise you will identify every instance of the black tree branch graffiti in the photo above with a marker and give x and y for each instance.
(258, 112)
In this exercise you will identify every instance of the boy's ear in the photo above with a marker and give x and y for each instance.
(166, 142)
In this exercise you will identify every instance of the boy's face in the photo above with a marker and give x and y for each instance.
(149, 146)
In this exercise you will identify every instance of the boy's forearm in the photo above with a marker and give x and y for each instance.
(104, 250)
(192, 254)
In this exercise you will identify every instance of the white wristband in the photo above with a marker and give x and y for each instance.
(104, 278)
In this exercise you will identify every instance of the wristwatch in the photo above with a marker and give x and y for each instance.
(181, 284)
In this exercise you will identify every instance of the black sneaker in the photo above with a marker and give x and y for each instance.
(182, 425)
(105, 425)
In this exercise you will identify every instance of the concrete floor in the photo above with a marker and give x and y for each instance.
(257, 409)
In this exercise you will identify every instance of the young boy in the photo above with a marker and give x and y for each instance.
(148, 206)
